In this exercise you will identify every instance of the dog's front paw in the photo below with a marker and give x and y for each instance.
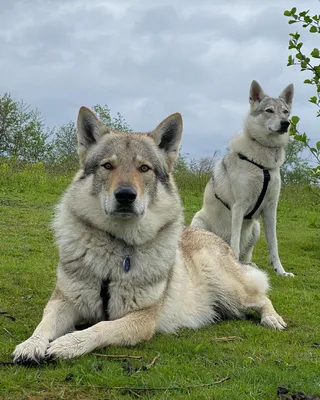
(274, 321)
(72, 345)
(30, 352)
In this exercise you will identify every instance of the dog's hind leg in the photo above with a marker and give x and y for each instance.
(126, 331)
(269, 316)
(58, 318)
(198, 222)
(256, 283)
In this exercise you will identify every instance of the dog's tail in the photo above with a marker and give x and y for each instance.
(257, 279)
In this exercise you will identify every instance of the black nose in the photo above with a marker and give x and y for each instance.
(284, 125)
(125, 195)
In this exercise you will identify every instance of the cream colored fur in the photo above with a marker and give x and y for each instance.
(179, 277)
(239, 183)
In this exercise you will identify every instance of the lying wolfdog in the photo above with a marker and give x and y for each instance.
(245, 183)
(127, 265)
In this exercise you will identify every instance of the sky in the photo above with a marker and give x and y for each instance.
(148, 59)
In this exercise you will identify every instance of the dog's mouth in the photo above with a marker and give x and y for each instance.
(124, 212)
(281, 131)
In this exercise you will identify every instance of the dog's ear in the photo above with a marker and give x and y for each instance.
(89, 130)
(256, 92)
(167, 136)
(287, 94)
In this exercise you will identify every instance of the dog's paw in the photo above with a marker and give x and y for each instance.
(30, 352)
(284, 273)
(71, 345)
(274, 321)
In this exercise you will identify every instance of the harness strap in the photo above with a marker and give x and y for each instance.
(225, 204)
(105, 296)
(266, 180)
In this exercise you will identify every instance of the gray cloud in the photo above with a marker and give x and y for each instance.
(148, 59)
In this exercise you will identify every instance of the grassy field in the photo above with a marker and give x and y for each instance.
(189, 363)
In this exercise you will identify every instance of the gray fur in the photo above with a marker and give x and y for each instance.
(238, 183)
(178, 278)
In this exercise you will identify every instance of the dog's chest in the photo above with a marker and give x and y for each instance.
(122, 278)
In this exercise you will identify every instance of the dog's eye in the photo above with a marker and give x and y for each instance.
(107, 165)
(285, 111)
(269, 110)
(144, 168)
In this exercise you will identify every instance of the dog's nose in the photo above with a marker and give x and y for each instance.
(125, 195)
(284, 125)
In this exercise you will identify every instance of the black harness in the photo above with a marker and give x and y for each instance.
(105, 296)
(266, 180)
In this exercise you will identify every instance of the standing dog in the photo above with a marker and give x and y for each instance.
(246, 182)
(127, 265)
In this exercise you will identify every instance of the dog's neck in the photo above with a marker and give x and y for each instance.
(269, 157)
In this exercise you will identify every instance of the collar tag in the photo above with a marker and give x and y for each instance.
(126, 264)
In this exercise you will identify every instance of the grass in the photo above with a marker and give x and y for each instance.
(191, 360)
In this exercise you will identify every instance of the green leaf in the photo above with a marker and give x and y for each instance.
(313, 29)
(293, 10)
(318, 145)
(313, 99)
(299, 56)
(295, 35)
(290, 60)
(292, 21)
(315, 53)
(300, 138)
(287, 13)
(295, 119)
(309, 81)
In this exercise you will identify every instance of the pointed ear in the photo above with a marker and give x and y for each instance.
(287, 94)
(256, 92)
(167, 136)
(89, 130)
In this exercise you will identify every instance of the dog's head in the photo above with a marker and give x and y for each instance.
(126, 171)
(268, 118)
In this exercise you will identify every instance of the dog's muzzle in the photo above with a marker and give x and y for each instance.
(284, 125)
(125, 197)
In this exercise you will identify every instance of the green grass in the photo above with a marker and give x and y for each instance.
(256, 365)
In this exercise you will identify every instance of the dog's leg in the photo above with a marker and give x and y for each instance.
(269, 316)
(269, 221)
(198, 222)
(126, 331)
(58, 318)
(246, 249)
(236, 227)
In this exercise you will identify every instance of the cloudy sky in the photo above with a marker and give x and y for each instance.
(150, 58)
